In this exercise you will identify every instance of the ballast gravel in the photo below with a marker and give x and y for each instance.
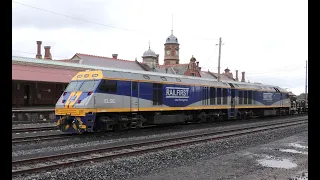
(152, 163)
(64, 146)
(33, 125)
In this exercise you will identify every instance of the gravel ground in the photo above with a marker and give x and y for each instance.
(32, 125)
(222, 159)
(35, 133)
(61, 146)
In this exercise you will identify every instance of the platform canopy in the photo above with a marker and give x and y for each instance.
(45, 74)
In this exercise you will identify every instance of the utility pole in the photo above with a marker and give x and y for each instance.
(306, 97)
(219, 59)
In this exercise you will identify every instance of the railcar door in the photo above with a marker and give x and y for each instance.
(233, 110)
(134, 99)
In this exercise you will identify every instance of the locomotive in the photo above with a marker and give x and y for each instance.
(115, 99)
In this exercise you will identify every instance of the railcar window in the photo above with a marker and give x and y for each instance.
(164, 79)
(205, 95)
(146, 77)
(245, 97)
(157, 94)
(225, 96)
(134, 86)
(249, 97)
(240, 97)
(212, 95)
(218, 96)
(108, 86)
(88, 86)
(179, 80)
(73, 86)
(253, 97)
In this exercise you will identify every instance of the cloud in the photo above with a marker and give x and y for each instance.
(267, 40)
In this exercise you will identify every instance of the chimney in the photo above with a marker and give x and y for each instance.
(115, 56)
(47, 54)
(157, 59)
(237, 77)
(38, 55)
(226, 71)
(243, 78)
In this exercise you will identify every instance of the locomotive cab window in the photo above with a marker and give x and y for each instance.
(108, 86)
(88, 86)
(73, 86)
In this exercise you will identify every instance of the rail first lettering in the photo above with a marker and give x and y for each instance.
(177, 92)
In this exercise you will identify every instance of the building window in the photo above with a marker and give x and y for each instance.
(192, 74)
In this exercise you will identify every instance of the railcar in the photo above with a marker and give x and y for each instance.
(109, 100)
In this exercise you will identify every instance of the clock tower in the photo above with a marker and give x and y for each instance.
(171, 50)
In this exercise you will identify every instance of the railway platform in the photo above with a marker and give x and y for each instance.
(31, 114)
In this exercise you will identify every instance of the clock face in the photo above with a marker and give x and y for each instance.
(168, 52)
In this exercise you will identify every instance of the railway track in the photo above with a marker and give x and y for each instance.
(32, 165)
(32, 129)
(39, 138)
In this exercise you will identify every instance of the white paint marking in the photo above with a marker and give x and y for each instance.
(277, 163)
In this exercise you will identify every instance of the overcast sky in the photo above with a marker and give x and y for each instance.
(266, 39)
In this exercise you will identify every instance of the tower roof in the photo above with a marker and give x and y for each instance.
(172, 39)
(149, 53)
